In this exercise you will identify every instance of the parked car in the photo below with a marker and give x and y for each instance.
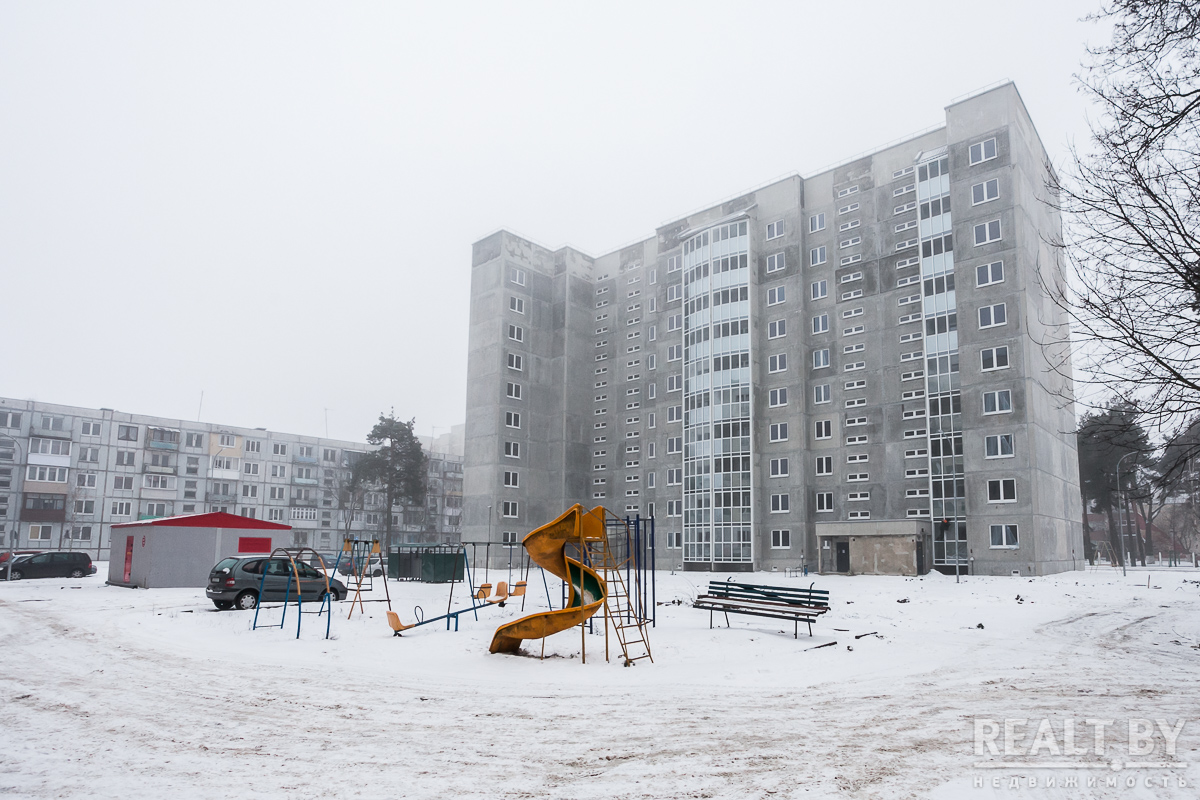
(235, 581)
(352, 567)
(49, 565)
(16, 554)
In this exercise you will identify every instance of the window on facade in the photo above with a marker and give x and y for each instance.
(821, 393)
(824, 501)
(987, 274)
(778, 397)
(820, 289)
(820, 358)
(1004, 536)
(512, 419)
(779, 432)
(777, 363)
(779, 467)
(824, 465)
(512, 449)
(515, 362)
(997, 402)
(780, 504)
(1003, 490)
(987, 232)
(516, 304)
(516, 333)
(817, 256)
(781, 539)
(992, 358)
(517, 276)
(824, 429)
(775, 262)
(127, 433)
(776, 329)
(775, 229)
(816, 223)
(985, 192)
(511, 479)
(775, 295)
(509, 509)
(983, 151)
(992, 316)
(998, 446)
(513, 390)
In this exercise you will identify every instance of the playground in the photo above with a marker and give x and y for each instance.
(113, 692)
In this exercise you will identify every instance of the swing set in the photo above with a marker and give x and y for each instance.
(293, 573)
(477, 598)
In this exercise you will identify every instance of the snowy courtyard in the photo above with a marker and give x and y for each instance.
(113, 692)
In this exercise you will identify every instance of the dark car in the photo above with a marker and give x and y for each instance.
(235, 581)
(49, 565)
(16, 554)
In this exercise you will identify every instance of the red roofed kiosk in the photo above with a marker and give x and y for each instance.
(173, 552)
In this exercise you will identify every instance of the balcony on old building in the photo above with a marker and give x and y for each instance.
(162, 439)
(44, 508)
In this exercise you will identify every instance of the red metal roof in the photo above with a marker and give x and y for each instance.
(215, 519)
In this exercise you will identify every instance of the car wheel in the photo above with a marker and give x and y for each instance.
(333, 595)
(77, 573)
(223, 605)
(17, 575)
(246, 600)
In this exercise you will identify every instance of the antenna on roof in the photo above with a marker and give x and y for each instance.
(198, 410)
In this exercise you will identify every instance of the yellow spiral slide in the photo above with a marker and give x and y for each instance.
(546, 546)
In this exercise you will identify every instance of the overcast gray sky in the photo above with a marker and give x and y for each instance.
(274, 203)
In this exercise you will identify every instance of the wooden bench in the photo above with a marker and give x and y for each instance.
(777, 602)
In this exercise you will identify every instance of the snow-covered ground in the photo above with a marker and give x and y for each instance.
(112, 692)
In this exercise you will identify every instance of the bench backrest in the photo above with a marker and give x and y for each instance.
(793, 595)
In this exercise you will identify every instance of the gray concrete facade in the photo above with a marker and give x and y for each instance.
(113, 467)
(862, 411)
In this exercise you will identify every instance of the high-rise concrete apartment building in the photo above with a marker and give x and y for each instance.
(859, 370)
(67, 474)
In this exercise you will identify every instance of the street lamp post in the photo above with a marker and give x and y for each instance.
(1121, 510)
(12, 542)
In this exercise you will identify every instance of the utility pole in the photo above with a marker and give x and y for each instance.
(12, 536)
(1121, 509)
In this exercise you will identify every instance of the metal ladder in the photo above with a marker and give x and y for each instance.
(628, 622)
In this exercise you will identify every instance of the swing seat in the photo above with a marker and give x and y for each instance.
(518, 589)
(484, 590)
(501, 593)
(396, 625)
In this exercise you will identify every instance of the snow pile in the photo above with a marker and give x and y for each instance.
(111, 692)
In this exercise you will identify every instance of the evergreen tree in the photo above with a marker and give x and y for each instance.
(398, 467)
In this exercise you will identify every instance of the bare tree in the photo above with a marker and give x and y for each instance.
(1131, 204)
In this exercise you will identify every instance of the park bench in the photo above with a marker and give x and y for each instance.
(777, 602)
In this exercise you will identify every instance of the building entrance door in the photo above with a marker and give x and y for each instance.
(842, 557)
